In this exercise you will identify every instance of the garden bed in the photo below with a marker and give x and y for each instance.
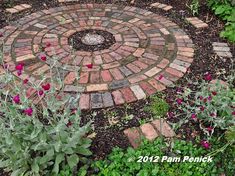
(109, 123)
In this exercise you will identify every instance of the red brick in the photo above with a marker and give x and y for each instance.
(133, 68)
(116, 74)
(137, 79)
(134, 136)
(95, 77)
(140, 64)
(118, 99)
(107, 58)
(148, 131)
(174, 72)
(128, 95)
(84, 77)
(163, 63)
(163, 128)
(156, 85)
(84, 102)
(106, 76)
(70, 78)
(147, 88)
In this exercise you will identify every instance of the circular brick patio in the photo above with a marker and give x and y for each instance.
(150, 52)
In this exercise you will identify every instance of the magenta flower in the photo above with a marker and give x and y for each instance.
(89, 66)
(48, 44)
(208, 77)
(69, 124)
(170, 114)
(43, 58)
(233, 113)
(209, 129)
(201, 98)
(40, 92)
(202, 108)
(194, 116)
(205, 144)
(204, 100)
(1, 34)
(19, 67)
(214, 93)
(209, 98)
(212, 114)
(179, 101)
(29, 111)
(19, 72)
(160, 77)
(16, 99)
(46, 86)
(25, 81)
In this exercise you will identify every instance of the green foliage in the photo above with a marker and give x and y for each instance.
(158, 107)
(124, 162)
(194, 7)
(226, 11)
(44, 140)
(211, 106)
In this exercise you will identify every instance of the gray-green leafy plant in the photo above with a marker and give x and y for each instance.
(40, 139)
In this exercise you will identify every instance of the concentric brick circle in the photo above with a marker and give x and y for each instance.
(150, 52)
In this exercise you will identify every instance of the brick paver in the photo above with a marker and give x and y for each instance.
(197, 23)
(18, 8)
(149, 131)
(222, 49)
(147, 46)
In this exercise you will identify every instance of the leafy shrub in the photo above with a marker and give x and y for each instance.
(212, 105)
(124, 162)
(158, 107)
(39, 139)
(226, 11)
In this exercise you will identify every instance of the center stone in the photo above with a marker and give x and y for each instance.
(93, 39)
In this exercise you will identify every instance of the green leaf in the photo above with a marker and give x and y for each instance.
(83, 151)
(58, 160)
(73, 160)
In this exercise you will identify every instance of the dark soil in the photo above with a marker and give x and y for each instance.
(109, 136)
(75, 40)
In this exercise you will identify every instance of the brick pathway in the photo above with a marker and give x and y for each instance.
(149, 131)
(150, 51)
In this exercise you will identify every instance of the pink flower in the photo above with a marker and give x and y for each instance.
(46, 86)
(205, 144)
(1, 34)
(179, 101)
(208, 77)
(89, 65)
(29, 111)
(43, 58)
(25, 81)
(160, 77)
(201, 98)
(19, 67)
(233, 113)
(16, 99)
(40, 92)
(214, 93)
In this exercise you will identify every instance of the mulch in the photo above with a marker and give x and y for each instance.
(110, 136)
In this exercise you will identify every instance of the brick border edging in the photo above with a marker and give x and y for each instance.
(150, 131)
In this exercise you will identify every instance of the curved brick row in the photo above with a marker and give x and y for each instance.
(150, 52)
